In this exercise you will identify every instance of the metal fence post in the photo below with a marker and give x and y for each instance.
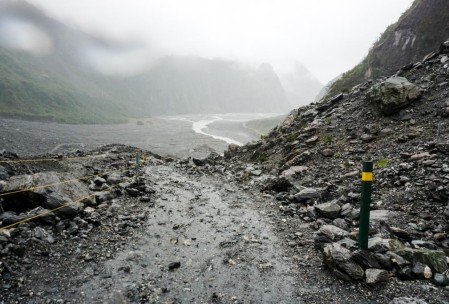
(367, 180)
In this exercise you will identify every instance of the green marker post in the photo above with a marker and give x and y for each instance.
(367, 180)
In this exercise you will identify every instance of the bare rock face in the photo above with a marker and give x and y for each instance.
(393, 94)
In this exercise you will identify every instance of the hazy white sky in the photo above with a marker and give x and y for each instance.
(327, 36)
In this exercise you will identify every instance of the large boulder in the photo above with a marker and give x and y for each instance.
(307, 193)
(393, 94)
(374, 276)
(330, 209)
(48, 190)
(435, 259)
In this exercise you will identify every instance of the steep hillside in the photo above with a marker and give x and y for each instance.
(48, 84)
(420, 30)
(312, 164)
(53, 72)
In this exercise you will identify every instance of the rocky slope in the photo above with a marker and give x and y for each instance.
(313, 163)
(170, 231)
(418, 31)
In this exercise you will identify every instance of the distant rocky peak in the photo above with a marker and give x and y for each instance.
(420, 30)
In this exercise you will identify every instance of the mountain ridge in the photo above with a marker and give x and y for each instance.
(61, 85)
(419, 31)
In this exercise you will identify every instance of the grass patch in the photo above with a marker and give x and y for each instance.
(381, 163)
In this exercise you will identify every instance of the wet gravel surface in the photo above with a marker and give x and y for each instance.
(204, 237)
(224, 248)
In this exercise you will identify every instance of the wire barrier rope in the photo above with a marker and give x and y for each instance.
(52, 210)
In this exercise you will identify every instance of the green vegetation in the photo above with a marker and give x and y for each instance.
(381, 163)
(291, 137)
(265, 125)
(326, 139)
(24, 93)
(63, 86)
(351, 78)
(262, 157)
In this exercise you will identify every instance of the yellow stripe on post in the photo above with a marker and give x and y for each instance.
(365, 204)
(367, 176)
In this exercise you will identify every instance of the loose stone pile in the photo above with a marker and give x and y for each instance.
(81, 205)
(311, 162)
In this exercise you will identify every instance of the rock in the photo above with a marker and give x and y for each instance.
(365, 258)
(419, 156)
(72, 191)
(56, 200)
(99, 181)
(332, 232)
(256, 172)
(366, 138)
(44, 215)
(198, 162)
(105, 196)
(423, 244)
(387, 131)
(265, 266)
(444, 47)
(441, 279)
(397, 260)
(381, 245)
(308, 193)
(384, 260)
(88, 210)
(374, 276)
(327, 152)
(348, 243)
(338, 259)
(133, 192)
(278, 184)
(43, 235)
(381, 215)
(293, 170)
(340, 223)
(10, 217)
(400, 234)
(72, 228)
(3, 173)
(330, 209)
(421, 271)
(435, 259)
(174, 265)
(393, 94)
(313, 139)
(115, 179)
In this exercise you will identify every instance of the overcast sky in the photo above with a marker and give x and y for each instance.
(327, 36)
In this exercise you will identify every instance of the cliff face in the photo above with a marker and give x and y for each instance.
(421, 29)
